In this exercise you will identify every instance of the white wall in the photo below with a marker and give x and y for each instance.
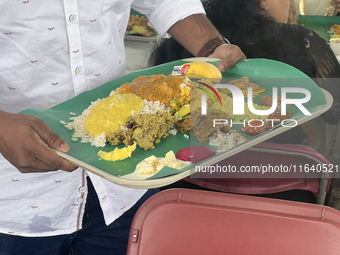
(137, 54)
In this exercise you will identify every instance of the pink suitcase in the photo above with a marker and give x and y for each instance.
(273, 154)
(185, 222)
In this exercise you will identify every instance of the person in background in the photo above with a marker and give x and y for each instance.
(292, 17)
(50, 52)
(318, 7)
(259, 28)
(336, 4)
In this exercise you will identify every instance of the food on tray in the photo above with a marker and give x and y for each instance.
(152, 165)
(335, 31)
(140, 25)
(226, 141)
(204, 86)
(196, 92)
(227, 106)
(243, 84)
(278, 117)
(227, 102)
(268, 101)
(143, 129)
(256, 127)
(112, 112)
(202, 125)
(125, 106)
(155, 87)
(185, 110)
(195, 154)
(336, 28)
(199, 70)
(183, 101)
(183, 125)
(149, 108)
(117, 154)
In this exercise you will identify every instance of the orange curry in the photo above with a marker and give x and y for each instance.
(154, 88)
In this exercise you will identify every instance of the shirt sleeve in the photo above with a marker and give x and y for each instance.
(162, 14)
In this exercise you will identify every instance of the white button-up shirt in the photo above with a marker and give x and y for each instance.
(51, 51)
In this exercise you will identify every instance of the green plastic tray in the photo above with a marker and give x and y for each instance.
(319, 24)
(268, 72)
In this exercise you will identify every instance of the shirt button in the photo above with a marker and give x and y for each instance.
(79, 70)
(80, 200)
(72, 18)
(82, 189)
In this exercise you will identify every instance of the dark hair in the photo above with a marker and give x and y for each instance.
(236, 18)
(258, 35)
(241, 21)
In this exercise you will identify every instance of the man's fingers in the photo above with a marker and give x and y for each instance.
(27, 143)
(52, 139)
(43, 159)
(47, 156)
(54, 162)
(47, 139)
(233, 55)
(35, 167)
(230, 55)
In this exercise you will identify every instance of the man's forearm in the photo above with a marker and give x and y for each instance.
(193, 32)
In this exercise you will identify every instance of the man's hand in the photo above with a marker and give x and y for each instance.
(230, 55)
(196, 30)
(26, 142)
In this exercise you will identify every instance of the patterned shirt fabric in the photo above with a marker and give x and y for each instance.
(50, 52)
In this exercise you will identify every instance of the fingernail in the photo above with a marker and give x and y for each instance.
(64, 147)
(221, 68)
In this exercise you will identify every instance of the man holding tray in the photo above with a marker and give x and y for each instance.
(50, 52)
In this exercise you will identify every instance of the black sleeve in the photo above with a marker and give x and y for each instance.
(327, 71)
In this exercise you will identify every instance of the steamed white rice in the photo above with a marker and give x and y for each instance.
(78, 123)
